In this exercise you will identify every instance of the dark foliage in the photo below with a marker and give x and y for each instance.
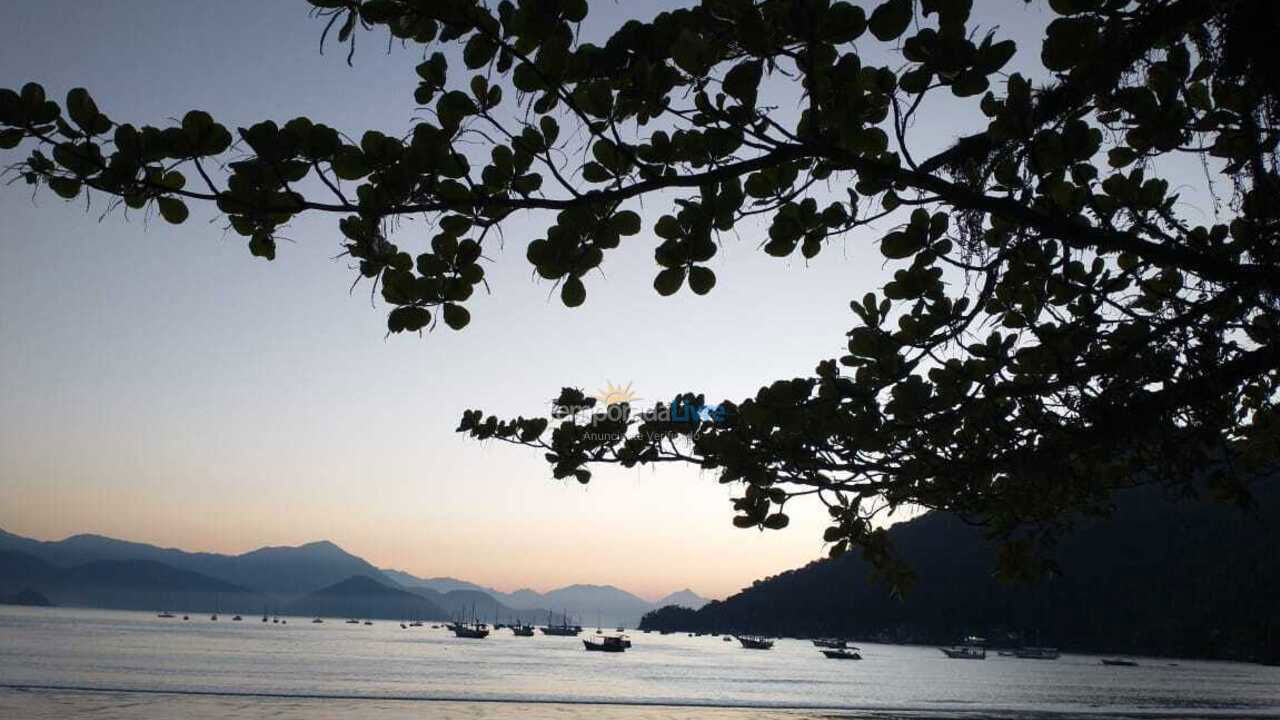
(1168, 577)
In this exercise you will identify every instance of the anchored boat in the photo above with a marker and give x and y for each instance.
(830, 643)
(606, 643)
(973, 648)
(755, 642)
(563, 629)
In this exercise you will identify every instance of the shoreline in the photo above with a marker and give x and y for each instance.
(851, 711)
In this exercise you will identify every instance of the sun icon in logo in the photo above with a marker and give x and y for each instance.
(616, 394)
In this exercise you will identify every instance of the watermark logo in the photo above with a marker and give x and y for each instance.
(617, 403)
(616, 395)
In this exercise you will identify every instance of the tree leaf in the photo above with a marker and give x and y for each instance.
(456, 316)
(172, 210)
(743, 81)
(669, 281)
(625, 222)
(573, 293)
(890, 19)
(701, 279)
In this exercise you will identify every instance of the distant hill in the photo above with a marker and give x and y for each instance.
(599, 604)
(586, 604)
(282, 571)
(683, 598)
(277, 576)
(364, 597)
(123, 584)
(1161, 576)
(464, 603)
(439, 584)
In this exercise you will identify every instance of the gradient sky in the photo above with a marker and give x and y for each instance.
(161, 385)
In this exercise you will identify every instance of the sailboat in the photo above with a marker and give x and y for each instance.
(163, 611)
(473, 630)
(564, 629)
(521, 629)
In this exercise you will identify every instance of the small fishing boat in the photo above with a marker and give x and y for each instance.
(726, 638)
(522, 630)
(164, 615)
(1036, 653)
(1119, 662)
(316, 621)
(471, 631)
(973, 648)
(368, 622)
(620, 628)
(474, 630)
(849, 653)
(561, 629)
(606, 643)
(236, 618)
(965, 652)
(755, 642)
(830, 643)
(352, 621)
(416, 623)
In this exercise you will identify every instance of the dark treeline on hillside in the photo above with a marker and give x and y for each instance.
(1161, 577)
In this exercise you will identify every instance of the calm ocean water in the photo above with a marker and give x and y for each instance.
(57, 663)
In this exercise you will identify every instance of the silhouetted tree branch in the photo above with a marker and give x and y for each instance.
(1100, 339)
